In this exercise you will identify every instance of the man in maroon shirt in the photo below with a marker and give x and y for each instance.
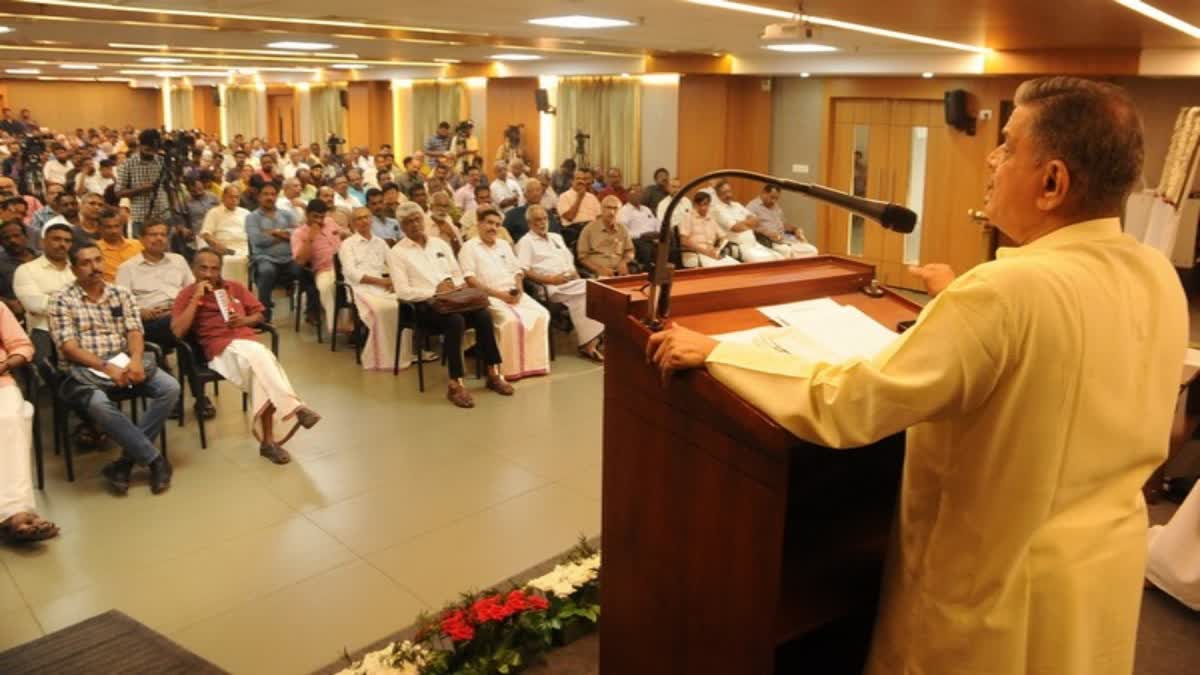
(222, 315)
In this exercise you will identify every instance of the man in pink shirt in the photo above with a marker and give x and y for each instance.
(314, 244)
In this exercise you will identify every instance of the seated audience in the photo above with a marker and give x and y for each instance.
(291, 198)
(658, 191)
(443, 226)
(545, 258)
(38, 280)
(613, 186)
(605, 247)
(224, 231)
(393, 197)
(365, 268)
(522, 325)
(470, 219)
(681, 209)
(464, 196)
(422, 267)
(641, 223)
(357, 188)
(342, 197)
(515, 223)
(506, 191)
(19, 521)
(96, 327)
(549, 196)
(270, 233)
(200, 201)
(737, 225)
(412, 175)
(114, 247)
(155, 277)
(222, 314)
(13, 254)
(772, 231)
(314, 244)
(700, 235)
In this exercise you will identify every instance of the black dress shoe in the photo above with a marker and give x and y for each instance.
(160, 475)
(117, 475)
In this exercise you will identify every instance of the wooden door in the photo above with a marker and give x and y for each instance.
(860, 166)
(281, 119)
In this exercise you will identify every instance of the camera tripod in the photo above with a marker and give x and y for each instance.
(580, 157)
(32, 181)
(168, 182)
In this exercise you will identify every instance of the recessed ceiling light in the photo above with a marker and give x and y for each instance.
(300, 46)
(48, 42)
(161, 59)
(834, 23)
(5, 29)
(804, 74)
(135, 45)
(78, 66)
(801, 47)
(22, 71)
(448, 60)
(1161, 17)
(927, 75)
(349, 66)
(580, 21)
(175, 73)
(516, 57)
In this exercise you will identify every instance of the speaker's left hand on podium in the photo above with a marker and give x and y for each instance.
(678, 348)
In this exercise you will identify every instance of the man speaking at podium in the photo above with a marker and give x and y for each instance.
(1037, 391)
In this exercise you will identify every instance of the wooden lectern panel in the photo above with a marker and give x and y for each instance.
(725, 536)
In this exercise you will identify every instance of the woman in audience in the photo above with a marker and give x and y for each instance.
(18, 519)
(700, 235)
(522, 324)
(423, 267)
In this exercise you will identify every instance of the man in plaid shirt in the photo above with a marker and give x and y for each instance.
(91, 323)
(136, 179)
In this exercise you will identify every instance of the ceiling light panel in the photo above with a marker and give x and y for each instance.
(300, 46)
(1162, 17)
(801, 48)
(580, 22)
(516, 57)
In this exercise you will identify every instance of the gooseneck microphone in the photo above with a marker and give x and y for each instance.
(889, 215)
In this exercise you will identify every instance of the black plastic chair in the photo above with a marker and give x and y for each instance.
(407, 318)
(48, 371)
(298, 294)
(343, 298)
(194, 367)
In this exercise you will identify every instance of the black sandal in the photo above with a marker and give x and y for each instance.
(592, 355)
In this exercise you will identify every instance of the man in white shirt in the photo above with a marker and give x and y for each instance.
(342, 199)
(642, 224)
(59, 165)
(737, 224)
(506, 191)
(422, 267)
(783, 237)
(290, 199)
(224, 231)
(681, 209)
(546, 260)
(36, 281)
(363, 256)
(522, 325)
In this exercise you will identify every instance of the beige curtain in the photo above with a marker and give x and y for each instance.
(241, 111)
(608, 109)
(328, 115)
(433, 103)
(181, 108)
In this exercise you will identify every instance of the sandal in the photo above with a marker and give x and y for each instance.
(592, 354)
(275, 453)
(27, 527)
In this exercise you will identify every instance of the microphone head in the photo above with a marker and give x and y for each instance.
(898, 218)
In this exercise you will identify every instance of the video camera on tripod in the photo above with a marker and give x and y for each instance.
(33, 148)
(176, 150)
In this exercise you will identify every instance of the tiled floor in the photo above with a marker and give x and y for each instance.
(394, 504)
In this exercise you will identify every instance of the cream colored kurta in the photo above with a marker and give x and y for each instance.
(1038, 392)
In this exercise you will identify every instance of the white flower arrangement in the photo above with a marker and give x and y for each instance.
(403, 658)
(565, 579)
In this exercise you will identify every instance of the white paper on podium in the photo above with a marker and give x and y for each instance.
(818, 330)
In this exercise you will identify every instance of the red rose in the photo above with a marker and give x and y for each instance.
(537, 603)
(488, 609)
(456, 626)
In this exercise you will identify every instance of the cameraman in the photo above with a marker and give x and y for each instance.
(465, 147)
(137, 178)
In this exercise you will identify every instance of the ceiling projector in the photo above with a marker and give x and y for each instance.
(788, 32)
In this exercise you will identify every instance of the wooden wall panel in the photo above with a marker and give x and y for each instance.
(369, 116)
(748, 131)
(206, 114)
(512, 101)
(724, 123)
(71, 105)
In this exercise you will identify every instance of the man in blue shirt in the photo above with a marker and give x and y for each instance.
(269, 231)
(382, 225)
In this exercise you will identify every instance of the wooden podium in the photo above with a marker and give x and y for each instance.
(730, 546)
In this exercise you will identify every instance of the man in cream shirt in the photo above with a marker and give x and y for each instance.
(1037, 391)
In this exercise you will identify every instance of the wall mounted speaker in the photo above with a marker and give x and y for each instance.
(344, 97)
(542, 99)
(216, 96)
(957, 115)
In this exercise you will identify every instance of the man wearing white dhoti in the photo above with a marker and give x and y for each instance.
(222, 315)
(783, 237)
(1174, 561)
(18, 518)
(224, 231)
(546, 259)
(1037, 391)
(522, 324)
(701, 237)
(364, 265)
(737, 224)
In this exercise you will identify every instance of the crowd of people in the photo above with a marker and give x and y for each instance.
(115, 238)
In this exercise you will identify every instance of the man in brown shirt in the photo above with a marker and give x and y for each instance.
(605, 247)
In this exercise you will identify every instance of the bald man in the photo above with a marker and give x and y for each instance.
(224, 231)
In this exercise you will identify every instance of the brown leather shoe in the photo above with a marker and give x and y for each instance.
(275, 453)
(499, 385)
(307, 417)
(460, 397)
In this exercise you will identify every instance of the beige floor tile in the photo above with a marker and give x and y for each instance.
(485, 548)
(587, 482)
(176, 593)
(304, 626)
(18, 626)
(10, 596)
(410, 503)
(552, 455)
